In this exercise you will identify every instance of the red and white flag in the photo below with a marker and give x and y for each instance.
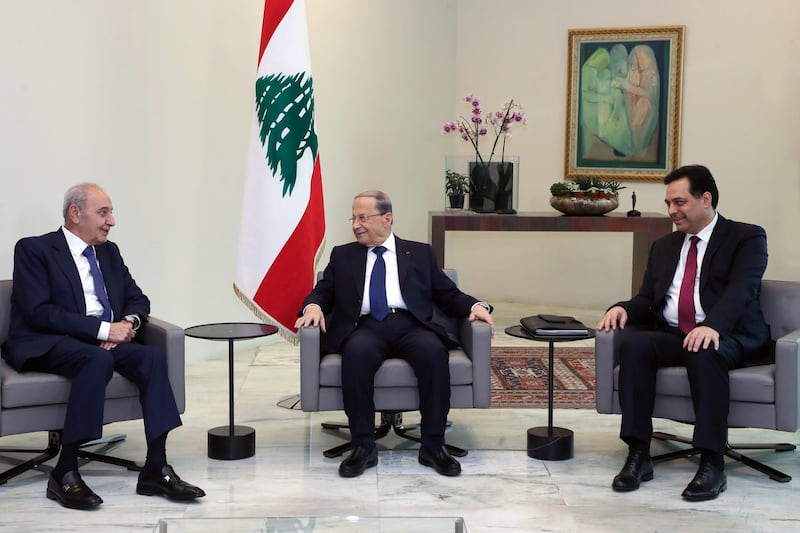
(283, 219)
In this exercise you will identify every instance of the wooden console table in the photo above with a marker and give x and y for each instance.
(646, 229)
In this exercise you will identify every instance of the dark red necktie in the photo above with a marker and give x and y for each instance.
(686, 314)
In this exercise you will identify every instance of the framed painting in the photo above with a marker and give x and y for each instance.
(624, 102)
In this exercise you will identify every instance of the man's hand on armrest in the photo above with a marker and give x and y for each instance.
(614, 317)
(312, 317)
(480, 312)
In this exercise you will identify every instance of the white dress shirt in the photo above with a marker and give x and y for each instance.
(93, 305)
(393, 296)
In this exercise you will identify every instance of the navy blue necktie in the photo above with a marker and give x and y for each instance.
(378, 307)
(99, 284)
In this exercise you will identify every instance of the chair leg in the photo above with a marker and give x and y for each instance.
(108, 443)
(53, 446)
(402, 430)
(773, 474)
(381, 431)
(390, 421)
(730, 451)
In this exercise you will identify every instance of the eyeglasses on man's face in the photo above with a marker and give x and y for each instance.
(361, 219)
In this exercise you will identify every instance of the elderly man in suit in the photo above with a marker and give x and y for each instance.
(700, 303)
(380, 293)
(75, 311)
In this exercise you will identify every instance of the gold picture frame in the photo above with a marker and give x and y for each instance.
(624, 102)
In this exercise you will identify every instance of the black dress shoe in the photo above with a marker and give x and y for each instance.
(638, 467)
(72, 492)
(708, 482)
(440, 460)
(359, 460)
(167, 484)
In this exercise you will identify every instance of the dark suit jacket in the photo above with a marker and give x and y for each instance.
(47, 301)
(730, 287)
(340, 292)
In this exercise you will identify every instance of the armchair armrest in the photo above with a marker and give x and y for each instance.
(170, 338)
(309, 368)
(605, 350)
(787, 377)
(476, 340)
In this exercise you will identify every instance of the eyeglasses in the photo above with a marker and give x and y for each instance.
(361, 219)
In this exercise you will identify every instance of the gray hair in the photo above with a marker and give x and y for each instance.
(78, 194)
(383, 202)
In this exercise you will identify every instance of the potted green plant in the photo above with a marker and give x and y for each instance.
(585, 196)
(455, 186)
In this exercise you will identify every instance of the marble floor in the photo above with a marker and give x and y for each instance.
(501, 489)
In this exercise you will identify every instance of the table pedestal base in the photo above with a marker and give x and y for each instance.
(550, 445)
(222, 444)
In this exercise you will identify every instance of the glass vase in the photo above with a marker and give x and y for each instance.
(494, 186)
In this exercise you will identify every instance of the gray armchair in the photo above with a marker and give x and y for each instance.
(763, 396)
(395, 383)
(36, 401)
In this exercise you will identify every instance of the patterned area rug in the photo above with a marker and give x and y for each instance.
(519, 377)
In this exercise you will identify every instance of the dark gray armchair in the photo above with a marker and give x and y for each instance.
(763, 396)
(395, 383)
(36, 401)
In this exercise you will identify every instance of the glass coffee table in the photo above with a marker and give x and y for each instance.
(298, 524)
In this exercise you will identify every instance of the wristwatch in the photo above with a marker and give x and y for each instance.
(134, 320)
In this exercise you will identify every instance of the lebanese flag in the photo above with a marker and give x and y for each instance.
(283, 218)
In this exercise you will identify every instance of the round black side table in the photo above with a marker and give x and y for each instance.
(231, 441)
(550, 443)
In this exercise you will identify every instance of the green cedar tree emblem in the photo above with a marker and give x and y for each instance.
(285, 109)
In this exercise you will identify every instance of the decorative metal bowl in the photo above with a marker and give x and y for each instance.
(584, 206)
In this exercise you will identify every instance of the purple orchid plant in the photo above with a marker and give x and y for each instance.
(485, 192)
(473, 128)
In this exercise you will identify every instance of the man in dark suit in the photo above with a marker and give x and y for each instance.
(70, 318)
(700, 300)
(399, 323)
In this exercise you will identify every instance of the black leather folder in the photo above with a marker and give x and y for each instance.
(544, 324)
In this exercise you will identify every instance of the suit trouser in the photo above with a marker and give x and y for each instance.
(90, 368)
(398, 335)
(642, 353)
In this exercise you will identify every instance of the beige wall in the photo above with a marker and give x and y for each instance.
(740, 116)
(153, 99)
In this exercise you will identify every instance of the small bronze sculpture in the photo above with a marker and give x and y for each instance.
(633, 212)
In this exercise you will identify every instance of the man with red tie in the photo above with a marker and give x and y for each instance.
(698, 307)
